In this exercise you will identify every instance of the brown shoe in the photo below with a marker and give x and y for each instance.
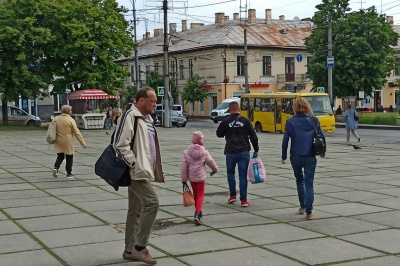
(143, 256)
(128, 256)
(310, 216)
(302, 210)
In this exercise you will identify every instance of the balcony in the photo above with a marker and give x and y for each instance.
(291, 78)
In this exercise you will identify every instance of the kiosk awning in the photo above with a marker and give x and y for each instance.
(90, 94)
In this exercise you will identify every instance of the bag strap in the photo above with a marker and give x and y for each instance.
(314, 126)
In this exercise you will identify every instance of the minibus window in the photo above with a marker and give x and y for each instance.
(244, 104)
(257, 105)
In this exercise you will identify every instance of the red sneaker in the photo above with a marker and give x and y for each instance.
(232, 199)
(245, 203)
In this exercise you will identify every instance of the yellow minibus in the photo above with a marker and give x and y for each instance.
(269, 111)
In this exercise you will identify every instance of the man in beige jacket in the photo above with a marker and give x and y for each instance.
(144, 160)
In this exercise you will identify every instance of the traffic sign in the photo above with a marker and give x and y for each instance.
(299, 58)
(320, 89)
(330, 61)
(160, 91)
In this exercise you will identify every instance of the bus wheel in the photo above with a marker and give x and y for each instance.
(258, 127)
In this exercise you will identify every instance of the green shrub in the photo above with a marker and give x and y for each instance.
(379, 119)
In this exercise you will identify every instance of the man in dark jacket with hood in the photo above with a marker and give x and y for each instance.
(237, 130)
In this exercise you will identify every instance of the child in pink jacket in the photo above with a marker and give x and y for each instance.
(194, 159)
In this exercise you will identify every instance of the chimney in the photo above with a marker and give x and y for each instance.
(147, 35)
(252, 15)
(158, 32)
(172, 27)
(184, 25)
(235, 15)
(196, 25)
(144, 36)
(268, 16)
(389, 19)
(219, 18)
(282, 17)
(226, 18)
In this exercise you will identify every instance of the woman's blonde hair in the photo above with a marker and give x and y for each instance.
(66, 109)
(301, 106)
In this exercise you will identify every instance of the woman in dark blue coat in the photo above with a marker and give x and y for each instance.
(351, 123)
(300, 130)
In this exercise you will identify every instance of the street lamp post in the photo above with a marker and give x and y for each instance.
(330, 70)
(136, 50)
(223, 54)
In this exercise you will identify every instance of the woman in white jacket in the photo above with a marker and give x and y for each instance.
(194, 159)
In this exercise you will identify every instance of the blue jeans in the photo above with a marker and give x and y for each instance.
(242, 159)
(304, 179)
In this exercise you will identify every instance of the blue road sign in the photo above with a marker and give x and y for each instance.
(330, 61)
(321, 90)
(160, 91)
(299, 58)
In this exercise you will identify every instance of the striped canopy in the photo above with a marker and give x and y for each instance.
(90, 94)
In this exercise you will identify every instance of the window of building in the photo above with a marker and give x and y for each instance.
(156, 67)
(201, 107)
(240, 65)
(181, 76)
(309, 61)
(172, 70)
(132, 74)
(397, 68)
(147, 69)
(267, 65)
(190, 68)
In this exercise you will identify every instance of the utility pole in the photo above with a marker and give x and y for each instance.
(246, 64)
(330, 69)
(167, 93)
(136, 50)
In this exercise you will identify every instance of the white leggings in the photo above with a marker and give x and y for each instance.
(353, 131)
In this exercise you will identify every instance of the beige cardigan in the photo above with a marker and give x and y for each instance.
(66, 129)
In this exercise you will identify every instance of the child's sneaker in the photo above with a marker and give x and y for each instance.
(245, 203)
(197, 219)
(70, 176)
(232, 199)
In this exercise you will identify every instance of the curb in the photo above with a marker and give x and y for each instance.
(366, 126)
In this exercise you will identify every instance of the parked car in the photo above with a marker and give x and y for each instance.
(18, 117)
(221, 112)
(363, 110)
(177, 118)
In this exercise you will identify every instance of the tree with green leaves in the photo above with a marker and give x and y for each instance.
(361, 44)
(59, 43)
(154, 80)
(193, 91)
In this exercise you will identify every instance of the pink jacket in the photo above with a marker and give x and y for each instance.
(193, 164)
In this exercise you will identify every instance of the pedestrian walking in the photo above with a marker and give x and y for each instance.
(118, 113)
(64, 145)
(136, 141)
(237, 130)
(351, 122)
(300, 130)
(194, 159)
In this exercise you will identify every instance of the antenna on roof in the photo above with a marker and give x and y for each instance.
(243, 9)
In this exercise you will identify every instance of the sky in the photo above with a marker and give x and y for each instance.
(150, 16)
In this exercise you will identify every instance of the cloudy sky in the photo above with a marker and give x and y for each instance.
(150, 16)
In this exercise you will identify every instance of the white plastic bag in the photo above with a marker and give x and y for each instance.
(256, 170)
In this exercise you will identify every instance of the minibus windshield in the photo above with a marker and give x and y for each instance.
(319, 104)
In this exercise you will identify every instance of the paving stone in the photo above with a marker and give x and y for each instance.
(78, 236)
(338, 226)
(16, 243)
(333, 250)
(44, 201)
(39, 211)
(199, 242)
(386, 260)
(32, 258)
(113, 217)
(244, 256)
(233, 219)
(385, 240)
(22, 194)
(290, 214)
(347, 209)
(270, 233)
(390, 218)
(8, 227)
(357, 195)
(106, 205)
(59, 222)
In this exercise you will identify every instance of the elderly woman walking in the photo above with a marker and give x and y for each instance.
(64, 145)
(351, 122)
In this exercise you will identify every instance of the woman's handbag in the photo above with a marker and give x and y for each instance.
(188, 199)
(319, 144)
(355, 116)
(256, 170)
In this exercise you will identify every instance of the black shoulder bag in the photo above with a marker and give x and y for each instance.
(319, 144)
(110, 167)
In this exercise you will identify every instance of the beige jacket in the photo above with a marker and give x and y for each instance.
(139, 159)
(66, 129)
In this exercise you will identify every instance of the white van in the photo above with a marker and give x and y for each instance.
(177, 117)
(18, 117)
(221, 112)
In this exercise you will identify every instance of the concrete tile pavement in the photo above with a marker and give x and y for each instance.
(48, 221)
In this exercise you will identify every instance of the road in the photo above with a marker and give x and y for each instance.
(377, 135)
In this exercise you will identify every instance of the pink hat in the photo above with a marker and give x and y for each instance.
(197, 137)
